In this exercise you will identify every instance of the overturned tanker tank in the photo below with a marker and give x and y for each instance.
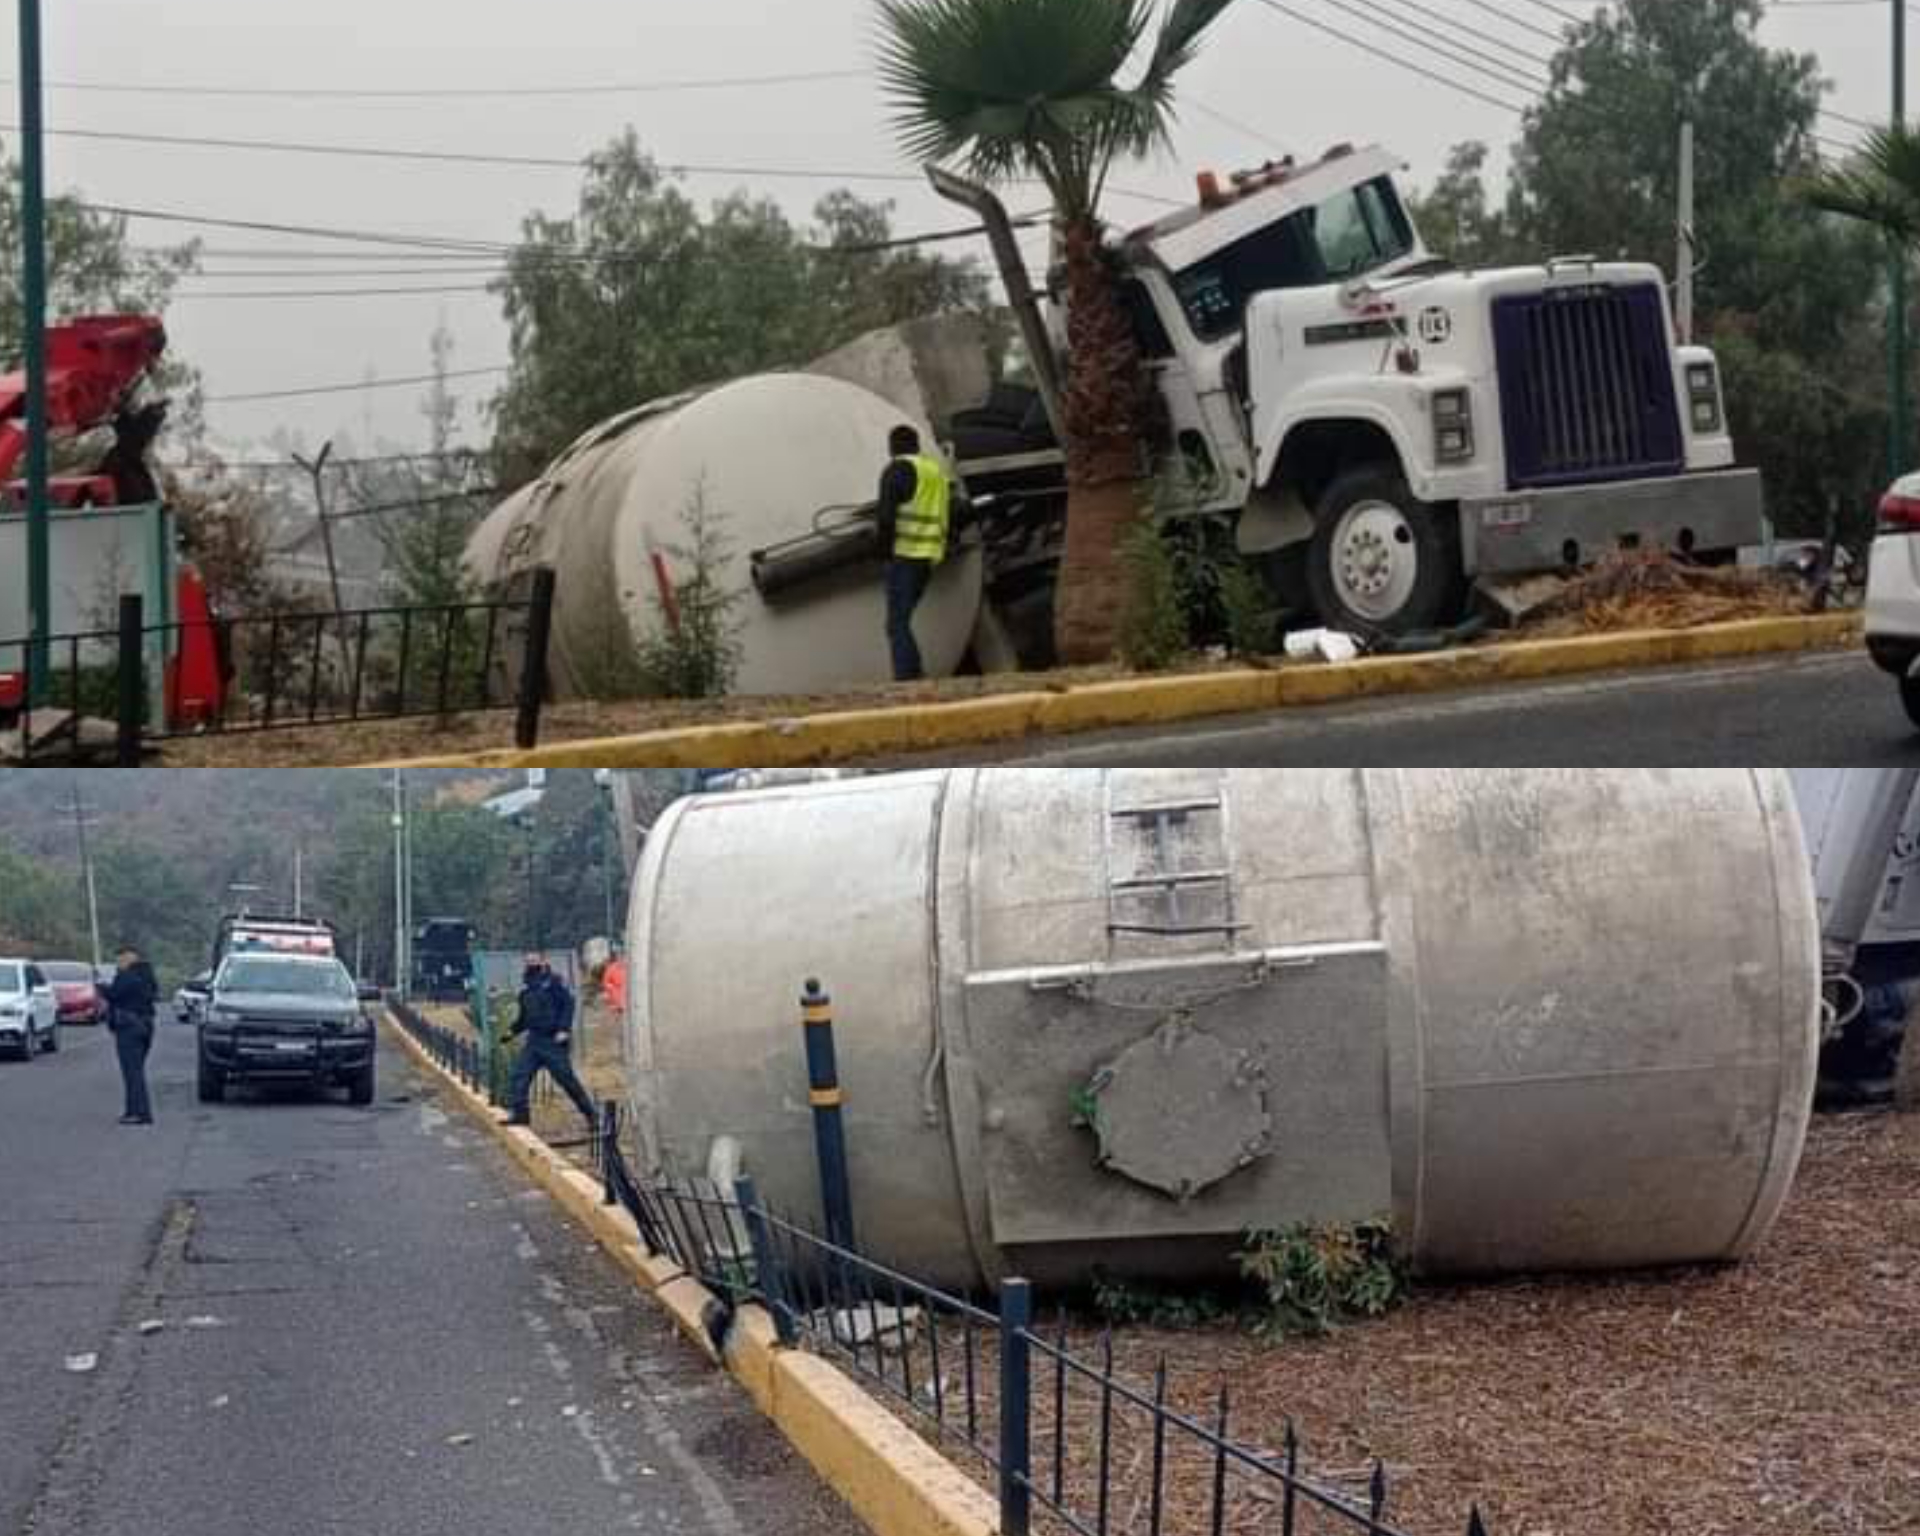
(1115, 1019)
(780, 466)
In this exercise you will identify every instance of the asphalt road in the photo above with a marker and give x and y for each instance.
(1827, 709)
(369, 1323)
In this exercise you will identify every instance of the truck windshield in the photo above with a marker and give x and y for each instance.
(263, 975)
(1354, 232)
(69, 972)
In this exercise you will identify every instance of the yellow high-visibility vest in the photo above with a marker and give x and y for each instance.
(920, 529)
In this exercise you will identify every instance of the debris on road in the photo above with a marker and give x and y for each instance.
(153, 1325)
(460, 1439)
(81, 1364)
(1321, 645)
(1643, 589)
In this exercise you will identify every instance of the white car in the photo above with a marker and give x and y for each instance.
(1893, 591)
(29, 1015)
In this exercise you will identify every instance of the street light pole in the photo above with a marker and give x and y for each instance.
(1897, 402)
(33, 290)
(399, 894)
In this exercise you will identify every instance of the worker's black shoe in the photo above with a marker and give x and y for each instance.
(516, 1120)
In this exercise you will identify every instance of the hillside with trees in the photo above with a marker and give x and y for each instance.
(169, 850)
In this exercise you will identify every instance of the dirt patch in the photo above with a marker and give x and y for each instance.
(1781, 1395)
(379, 741)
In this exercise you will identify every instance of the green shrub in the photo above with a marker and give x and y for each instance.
(1153, 625)
(1252, 616)
(696, 654)
(1312, 1278)
(1122, 1303)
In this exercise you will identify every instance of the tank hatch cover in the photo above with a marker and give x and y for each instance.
(1181, 1110)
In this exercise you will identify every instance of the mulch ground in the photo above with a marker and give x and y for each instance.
(1777, 1395)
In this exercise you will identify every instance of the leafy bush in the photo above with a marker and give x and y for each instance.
(1312, 1278)
(1153, 625)
(1251, 613)
(1120, 1303)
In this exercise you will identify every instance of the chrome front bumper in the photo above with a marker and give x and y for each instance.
(1547, 530)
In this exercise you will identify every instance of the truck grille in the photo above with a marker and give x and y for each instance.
(1586, 386)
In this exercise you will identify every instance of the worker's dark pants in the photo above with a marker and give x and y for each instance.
(906, 585)
(541, 1053)
(132, 1039)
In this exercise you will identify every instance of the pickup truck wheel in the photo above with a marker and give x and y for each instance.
(1381, 561)
(360, 1086)
(1910, 697)
(213, 1085)
(53, 1038)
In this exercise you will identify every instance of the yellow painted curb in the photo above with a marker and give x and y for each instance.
(910, 728)
(895, 1482)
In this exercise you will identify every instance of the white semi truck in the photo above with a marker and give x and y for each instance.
(1381, 428)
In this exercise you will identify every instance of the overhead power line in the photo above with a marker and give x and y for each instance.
(520, 162)
(1381, 53)
(451, 93)
(189, 295)
(453, 247)
(351, 389)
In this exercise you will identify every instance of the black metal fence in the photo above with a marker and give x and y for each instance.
(1069, 1440)
(466, 1058)
(1067, 1437)
(285, 671)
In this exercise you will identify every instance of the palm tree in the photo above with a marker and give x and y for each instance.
(1881, 186)
(1030, 88)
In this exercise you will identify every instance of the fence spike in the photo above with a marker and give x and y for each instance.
(1475, 1525)
(1377, 1489)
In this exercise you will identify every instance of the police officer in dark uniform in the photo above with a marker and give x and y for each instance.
(546, 1020)
(130, 999)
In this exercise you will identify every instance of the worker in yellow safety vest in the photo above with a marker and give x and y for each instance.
(916, 509)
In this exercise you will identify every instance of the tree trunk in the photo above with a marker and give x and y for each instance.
(1106, 453)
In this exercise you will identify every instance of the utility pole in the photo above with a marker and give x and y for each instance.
(33, 286)
(299, 905)
(1683, 289)
(80, 825)
(1897, 403)
(399, 891)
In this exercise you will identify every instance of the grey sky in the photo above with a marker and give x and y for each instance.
(1303, 87)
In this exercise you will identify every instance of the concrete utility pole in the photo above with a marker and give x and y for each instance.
(80, 825)
(33, 292)
(1683, 276)
(1898, 404)
(299, 905)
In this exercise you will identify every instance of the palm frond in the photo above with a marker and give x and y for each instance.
(1879, 186)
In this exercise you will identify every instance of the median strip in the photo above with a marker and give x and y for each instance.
(895, 1482)
(900, 730)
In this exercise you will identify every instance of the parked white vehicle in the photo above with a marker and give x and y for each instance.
(1893, 591)
(29, 1015)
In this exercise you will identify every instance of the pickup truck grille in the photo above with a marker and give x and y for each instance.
(1586, 386)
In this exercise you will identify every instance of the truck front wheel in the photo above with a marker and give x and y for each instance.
(1383, 563)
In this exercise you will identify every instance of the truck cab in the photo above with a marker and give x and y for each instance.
(1385, 427)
